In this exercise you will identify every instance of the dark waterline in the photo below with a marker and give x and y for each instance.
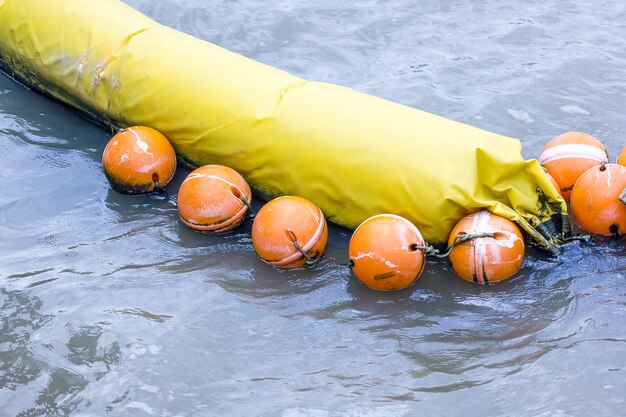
(110, 306)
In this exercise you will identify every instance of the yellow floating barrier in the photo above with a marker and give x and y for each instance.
(352, 154)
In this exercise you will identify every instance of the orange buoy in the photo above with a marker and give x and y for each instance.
(621, 159)
(287, 228)
(384, 252)
(486, 259)
(596, 203)
(213, 199)
(570, 154)
(138, 160)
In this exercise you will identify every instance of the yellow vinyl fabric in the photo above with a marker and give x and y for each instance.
(352, 154)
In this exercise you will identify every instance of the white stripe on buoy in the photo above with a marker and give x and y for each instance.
(479, 225)
(573, 151)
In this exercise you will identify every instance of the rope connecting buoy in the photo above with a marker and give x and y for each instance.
(138, 160)
(289, 232)
(494, 256)
(569, 155)
(621, 158)
(214, 199)
(385, 253)
(596, 203)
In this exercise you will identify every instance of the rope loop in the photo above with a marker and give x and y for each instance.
(458, 240)
(428, 250)
(310, 262)
(252, 214)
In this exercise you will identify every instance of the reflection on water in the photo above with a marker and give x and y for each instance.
(45, 366)
(110, 306)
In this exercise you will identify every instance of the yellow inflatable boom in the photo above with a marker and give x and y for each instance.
(352, 154)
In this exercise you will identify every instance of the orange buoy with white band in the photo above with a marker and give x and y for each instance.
(598, 200)
(621, 159)
(289, 231)
(213, 199)
(138, 160)
(494, 253)
(385, 252)
(569, 155)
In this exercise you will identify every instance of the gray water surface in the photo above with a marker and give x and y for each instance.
(109, 306)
